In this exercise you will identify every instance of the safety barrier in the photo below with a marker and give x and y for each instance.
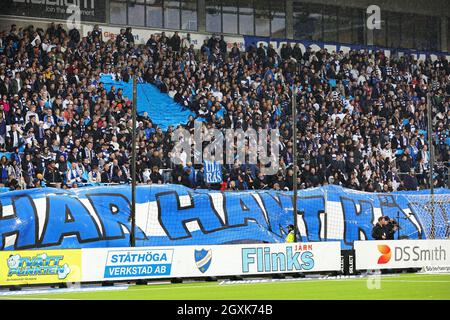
(29, 267)
(113, 264)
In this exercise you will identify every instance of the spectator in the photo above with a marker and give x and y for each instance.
(4, 171)
(94, 176)
(410, 181)
(175, 42)
(355, 132)
(155, 176)
(74, 174)
(52, 176)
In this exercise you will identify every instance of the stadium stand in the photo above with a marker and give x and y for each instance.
(361, 116)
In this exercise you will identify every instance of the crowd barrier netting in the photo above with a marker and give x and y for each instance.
(172, 215)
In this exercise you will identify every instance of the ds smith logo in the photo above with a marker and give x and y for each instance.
(385, 254)
(411, 253)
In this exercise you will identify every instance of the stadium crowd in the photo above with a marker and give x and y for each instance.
(362, 116)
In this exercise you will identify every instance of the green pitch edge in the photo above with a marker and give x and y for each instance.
(405, 286)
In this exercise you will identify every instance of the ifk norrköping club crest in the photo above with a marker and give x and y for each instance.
(203, 259)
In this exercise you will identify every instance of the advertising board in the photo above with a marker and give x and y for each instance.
(40, 266)
(198, 261)
(398, 254)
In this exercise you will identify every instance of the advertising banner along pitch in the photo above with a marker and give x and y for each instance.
(197, 261)
(40, 266)
(402, 254)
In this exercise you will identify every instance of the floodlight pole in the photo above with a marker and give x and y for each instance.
(133, 165)
(294, 153)
(431, 146)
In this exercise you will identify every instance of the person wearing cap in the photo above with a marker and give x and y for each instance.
(291, 238)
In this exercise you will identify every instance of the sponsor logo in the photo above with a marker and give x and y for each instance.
(113, 35)
(203, 259)
(436, 269)
(411, 253)
(138, 263)
(74, 8)
(267, 261)
(38, 265)
(385, 254)
(419, 254)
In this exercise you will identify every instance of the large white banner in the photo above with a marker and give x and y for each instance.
(219, 260)
(399, 254)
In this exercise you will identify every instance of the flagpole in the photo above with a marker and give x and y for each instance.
(133, 166)
(294, 151)
(431, 162)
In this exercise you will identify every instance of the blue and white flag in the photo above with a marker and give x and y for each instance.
(213, 171)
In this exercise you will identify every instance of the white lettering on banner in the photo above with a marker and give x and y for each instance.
(402, 254)
(213, 172)
(138, 263)
(147, 217)
(136, 271)
(215, 260)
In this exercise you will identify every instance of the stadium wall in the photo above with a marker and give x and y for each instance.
(74, 266)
